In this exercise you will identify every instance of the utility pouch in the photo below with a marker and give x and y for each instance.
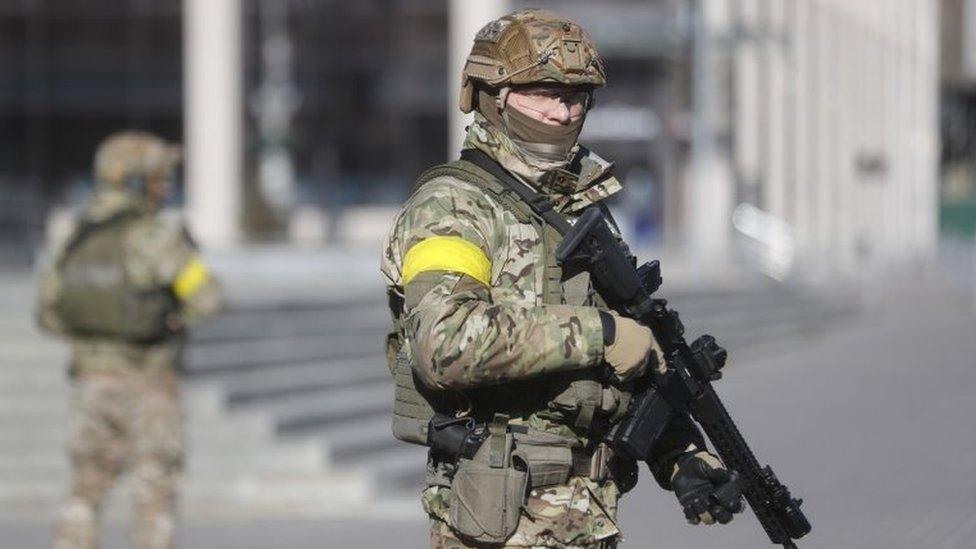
(582, 399)
(487, 493)
(548, 458)
(412, 410)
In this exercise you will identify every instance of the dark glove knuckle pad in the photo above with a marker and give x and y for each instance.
(705, 495)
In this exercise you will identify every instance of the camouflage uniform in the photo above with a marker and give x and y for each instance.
(466, 335)
(125, 412)
(485, 319)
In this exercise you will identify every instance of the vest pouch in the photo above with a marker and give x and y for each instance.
(411, 410)
(148, 311)
(486, 502)
(548, 458)
(99, 299)
(581, 400)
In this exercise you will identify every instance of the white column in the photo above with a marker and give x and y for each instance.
(773, 46)
(710, 186)
(802, 113)
(968, 38)
(927, 194)
(465, 19)
(825, 173)
(213, 119)
(746, 110)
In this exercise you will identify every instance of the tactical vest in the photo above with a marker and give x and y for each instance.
(579, 395)
(97, 297)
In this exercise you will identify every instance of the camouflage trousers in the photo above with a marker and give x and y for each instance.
(441, 537)
(581, 514)
(123, 424)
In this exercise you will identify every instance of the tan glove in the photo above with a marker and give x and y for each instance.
(632, 349)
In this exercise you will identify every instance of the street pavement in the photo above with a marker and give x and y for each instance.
(870, 424)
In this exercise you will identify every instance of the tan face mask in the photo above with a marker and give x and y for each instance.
(546, 141)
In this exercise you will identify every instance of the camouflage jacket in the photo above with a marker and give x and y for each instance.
(159, 253)
(489, 325)
(471, 278)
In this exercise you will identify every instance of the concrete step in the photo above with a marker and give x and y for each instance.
(399, 470)
(209, 358)
(274, 458)
(53, 422)
(282, 496)
(32, 441)
(36, 465)
(296, 415)
(34, 404)
(316, 377)
(54, 386)
(266, 324)
(351, 440)
(281, 457)
(258, 495)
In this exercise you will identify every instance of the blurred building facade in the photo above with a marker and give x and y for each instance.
(958, 118)
(835, 131)
(803, 134)
(73, 72)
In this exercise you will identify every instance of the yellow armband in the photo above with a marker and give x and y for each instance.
(447, 253)
(191, 279)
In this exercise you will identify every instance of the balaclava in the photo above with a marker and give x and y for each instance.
(547, 142)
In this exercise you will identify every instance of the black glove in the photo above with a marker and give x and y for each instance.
(706, 490)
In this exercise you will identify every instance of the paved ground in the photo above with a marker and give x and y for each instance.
(870, 425)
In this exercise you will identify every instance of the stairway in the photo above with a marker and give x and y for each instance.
(317, 368)
(288, 399)
(237, 464)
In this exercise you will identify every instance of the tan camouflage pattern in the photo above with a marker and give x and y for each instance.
(464, 334)
(123, 423)
(568, 192)
(461, 334)
(125, 414)
(157, 249)
(531, 46)
(580, 514)
(505, 329)
(134, 154)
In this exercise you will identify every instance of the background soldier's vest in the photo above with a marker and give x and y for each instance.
(97, 296)
(577, 396)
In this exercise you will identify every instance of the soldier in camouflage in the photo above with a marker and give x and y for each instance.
(493, 330)
(123, 288)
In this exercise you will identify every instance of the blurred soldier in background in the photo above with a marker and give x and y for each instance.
(123, 288)
(494, 335)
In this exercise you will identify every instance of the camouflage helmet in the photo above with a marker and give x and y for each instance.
(129, 155)
(530, 46)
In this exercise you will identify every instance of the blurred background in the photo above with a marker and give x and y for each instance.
(805, 170)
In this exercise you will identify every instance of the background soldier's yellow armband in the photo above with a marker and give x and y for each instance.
(191, 279)
(447, 253)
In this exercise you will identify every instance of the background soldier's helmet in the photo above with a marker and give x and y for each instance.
(530, 46)
(131, 156)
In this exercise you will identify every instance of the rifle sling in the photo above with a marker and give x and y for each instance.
(539, 203)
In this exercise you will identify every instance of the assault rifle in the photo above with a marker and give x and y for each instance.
(685, 387)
